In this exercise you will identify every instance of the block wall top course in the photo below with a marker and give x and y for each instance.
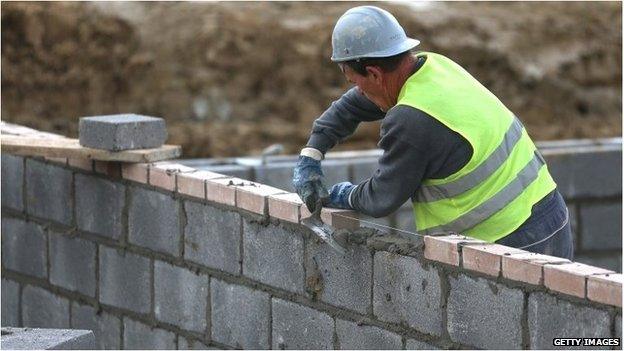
(458, 251)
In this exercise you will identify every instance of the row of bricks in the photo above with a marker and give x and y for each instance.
(561, 275)
(557, 274)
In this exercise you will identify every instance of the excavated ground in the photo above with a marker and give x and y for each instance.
(233, 78)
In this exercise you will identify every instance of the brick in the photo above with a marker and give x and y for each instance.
(138, 336)
(194, 183)
(186, 344)
(569, 278)
(105, 326)
(240, 316)
(222, 190)
(180, 297)
(12, 178)
(122, 132)
(340, 219)
(48, 191)
(286, 207)
(154, 221)
(136, 172)
(81, 163)
(605, 288)
(253, 197)
(403, 281)
(484, 314)
(72, 263)
(550, 317)
(300, 327)
(412, 344)
(10, 303)
(41, 308)
(601, 226)
(99, 205)
(108, 168)
(163, 174)
(24, 246)
(486, 258)
(352, 336)
(343, 281)
(124, 280)
(528, 267)
(47, 339)
(212, 237)
(273, 255)
(445, 249)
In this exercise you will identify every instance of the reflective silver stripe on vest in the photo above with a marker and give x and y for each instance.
(506, 195)
(430, 193)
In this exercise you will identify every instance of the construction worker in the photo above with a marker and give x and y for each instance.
(464, 159)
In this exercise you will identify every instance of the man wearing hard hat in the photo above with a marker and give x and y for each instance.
(449, 144)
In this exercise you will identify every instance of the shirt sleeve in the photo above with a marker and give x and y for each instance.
(341, 119)
(415, 147)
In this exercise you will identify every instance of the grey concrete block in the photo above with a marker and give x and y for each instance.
(343, 281)
(484, 314)
(608, 260)
(46, 339)
(72, 263)
(335, 171)
(240, 316)
(550, 317)
(12, 178)
(124, 280)
(43, 309)
(618, 326)
(138, 336)
(154, 221)
(186, 344)
(586, 174)
(24, 246)
(412, 344)
(10, 303)
(362, 169)
(122, 132)
(49, 191)
(406, 292)
(352, 336)
(273, 255)
(99, 205)
(601, 226)
(105, 326)
(212, 237)
(180, 297)
(300, 327)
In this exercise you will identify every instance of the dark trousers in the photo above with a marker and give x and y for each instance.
(547, 231)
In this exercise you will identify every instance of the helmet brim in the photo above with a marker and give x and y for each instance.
(406, 45)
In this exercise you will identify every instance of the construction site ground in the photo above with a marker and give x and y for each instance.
(232, 78)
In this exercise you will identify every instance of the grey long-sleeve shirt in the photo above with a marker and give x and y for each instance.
(415, 147)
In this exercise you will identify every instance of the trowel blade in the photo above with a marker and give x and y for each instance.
(323, 231)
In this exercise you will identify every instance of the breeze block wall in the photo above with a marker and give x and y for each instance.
(167, 256)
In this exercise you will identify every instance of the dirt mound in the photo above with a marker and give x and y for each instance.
(232, 78)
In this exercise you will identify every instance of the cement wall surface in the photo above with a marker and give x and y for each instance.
(165, 256)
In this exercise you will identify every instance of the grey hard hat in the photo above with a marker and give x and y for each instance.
(368, 31)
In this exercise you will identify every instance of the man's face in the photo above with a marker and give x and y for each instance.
(368, 85)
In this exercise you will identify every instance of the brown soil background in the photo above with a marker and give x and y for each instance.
(233, 78)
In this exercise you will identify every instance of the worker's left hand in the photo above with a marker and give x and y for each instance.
(339, 195)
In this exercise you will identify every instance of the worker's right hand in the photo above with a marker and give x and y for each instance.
(309, 182)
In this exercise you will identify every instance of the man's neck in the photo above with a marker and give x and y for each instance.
(400, 76)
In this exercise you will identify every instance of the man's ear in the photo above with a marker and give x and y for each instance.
(376, 73)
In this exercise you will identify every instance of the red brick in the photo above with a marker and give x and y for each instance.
(485, 258)
(286, 207)
(222, 190)
(194, 183)
(528, 267)
(570, 278)
(111, 169)
(605, 288)
(163, 174)
(253, 197)
(445, 249)
(81, 163)
(340, 219)
(136, 172)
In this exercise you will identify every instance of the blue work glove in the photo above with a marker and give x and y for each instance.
(308, 180)
(339, 195)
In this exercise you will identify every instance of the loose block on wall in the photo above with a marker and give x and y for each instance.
(122, 132)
